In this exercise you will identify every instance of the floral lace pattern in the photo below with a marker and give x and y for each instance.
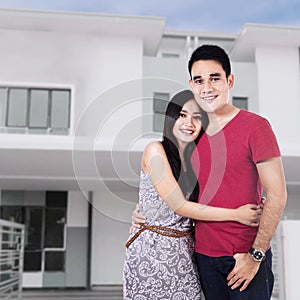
(157, 266)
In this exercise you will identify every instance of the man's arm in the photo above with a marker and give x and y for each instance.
(272, 178)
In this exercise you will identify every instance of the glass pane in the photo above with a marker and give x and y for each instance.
(160, 102)
(170, 55)
(54, 260)
(3, 97)
(13, 214)
(56, 199)
(158, 122)
(33, 221)
(240, 102)
(33, 260)
(17, 108)
(60, 109)
(38, 114)
(55, 223)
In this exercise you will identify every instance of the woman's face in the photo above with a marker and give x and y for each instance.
(188, 125)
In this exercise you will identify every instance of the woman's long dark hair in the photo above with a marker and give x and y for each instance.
(170, 145)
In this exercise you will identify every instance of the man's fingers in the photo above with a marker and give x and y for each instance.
(245, 285)
(231, 275)
(232, 279)
(236, 282)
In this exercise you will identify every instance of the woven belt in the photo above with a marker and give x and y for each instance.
(160, 230)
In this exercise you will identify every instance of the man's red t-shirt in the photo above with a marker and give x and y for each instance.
(225, 165)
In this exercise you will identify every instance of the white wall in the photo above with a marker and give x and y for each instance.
(93, 66)
(36, 58)
(78, 207)
(291, 243)
(292, 209)
(245, 84)
(279, 93)
(162, 75)
(110, 231)
(116, 79)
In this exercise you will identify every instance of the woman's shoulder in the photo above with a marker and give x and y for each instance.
(152, 150)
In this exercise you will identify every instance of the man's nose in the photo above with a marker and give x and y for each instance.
(206, 86)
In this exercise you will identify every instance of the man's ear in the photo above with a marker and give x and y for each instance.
(230, 80)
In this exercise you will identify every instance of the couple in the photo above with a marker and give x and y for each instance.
(234, 159)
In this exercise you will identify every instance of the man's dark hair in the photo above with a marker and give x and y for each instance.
(210, 52)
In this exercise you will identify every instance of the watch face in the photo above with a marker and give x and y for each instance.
(258, 255)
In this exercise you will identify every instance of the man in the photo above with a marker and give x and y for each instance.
(237, 157)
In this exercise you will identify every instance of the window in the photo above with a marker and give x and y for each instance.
(160, 102)
(54, 260)
(35, 110)
(17, 108)
(55, 223)
(38, 109)
(240, 102)
(45, 228)
(170, 55)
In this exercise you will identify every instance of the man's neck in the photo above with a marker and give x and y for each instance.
(219, 119)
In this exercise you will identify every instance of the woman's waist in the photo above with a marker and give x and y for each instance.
(158, 230)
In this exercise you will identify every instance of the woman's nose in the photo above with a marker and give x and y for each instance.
(189, 120)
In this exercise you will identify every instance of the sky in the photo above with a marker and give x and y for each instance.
(220, 16)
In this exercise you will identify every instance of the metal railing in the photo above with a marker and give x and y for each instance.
(11, 259)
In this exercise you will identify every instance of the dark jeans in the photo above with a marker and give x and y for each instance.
(213, 272)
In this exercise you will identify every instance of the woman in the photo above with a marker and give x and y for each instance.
(158, 263)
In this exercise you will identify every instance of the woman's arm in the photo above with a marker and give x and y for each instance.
(155, 163)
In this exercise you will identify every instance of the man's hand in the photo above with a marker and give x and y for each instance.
(243, 272)
(137, 218)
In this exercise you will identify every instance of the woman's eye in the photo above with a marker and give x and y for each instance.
(181, 115)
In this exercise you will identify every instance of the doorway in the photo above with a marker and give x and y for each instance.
(44, 217)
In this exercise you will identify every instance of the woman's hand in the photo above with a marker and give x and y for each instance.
(137, 218)
(249, 214)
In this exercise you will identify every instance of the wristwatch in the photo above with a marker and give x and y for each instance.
(257, 255)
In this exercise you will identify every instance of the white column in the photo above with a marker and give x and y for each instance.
(279, 93)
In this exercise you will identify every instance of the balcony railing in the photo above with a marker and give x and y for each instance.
(11, 259)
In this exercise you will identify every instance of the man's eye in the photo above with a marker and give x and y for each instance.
(214, 79)
(198, 81)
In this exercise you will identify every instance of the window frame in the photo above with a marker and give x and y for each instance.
(28, 128)
(162, 97)
(241, 98)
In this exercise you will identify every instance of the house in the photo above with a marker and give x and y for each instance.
(80, 96)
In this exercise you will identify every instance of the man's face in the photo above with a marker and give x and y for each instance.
(210, 85)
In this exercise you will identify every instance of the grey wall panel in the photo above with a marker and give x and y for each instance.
(76, 257)
(54, 279)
